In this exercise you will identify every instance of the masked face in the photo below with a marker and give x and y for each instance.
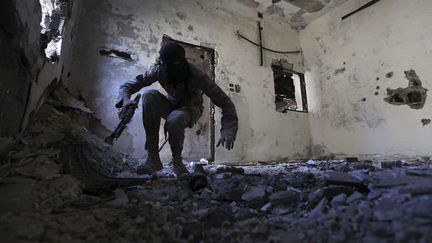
(174, 71)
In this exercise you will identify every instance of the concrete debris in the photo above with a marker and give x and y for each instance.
(254, 193)
(339, 200)
(311, 162)
(285, 198)
(68, 101)
(45, 169)
(68, 190)
(121, 199)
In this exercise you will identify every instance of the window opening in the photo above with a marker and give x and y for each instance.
(290, 90)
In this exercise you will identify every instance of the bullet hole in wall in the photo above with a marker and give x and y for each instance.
(389, 75)
(339, 71)
(425, 121)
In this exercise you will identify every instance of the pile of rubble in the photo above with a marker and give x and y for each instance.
(61, 183)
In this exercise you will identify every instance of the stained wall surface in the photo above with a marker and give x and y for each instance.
(25, 74)
(137, 27)
(351, 64)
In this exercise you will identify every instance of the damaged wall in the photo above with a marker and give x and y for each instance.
(353, 64)
(25, 73)
(137, 27)
(20, 61)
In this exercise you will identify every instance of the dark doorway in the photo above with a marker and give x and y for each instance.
(200, 140)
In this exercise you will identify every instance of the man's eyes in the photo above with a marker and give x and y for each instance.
(170, 63)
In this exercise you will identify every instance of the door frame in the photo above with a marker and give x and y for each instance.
(213, 78)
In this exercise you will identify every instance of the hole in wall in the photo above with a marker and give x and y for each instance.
(414, 95)
(54, 14)
(116, 54)
(425, 121)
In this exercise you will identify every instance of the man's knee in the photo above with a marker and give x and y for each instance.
(177, 121)
(151, 96)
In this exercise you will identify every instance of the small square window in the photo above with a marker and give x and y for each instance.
(290, 90)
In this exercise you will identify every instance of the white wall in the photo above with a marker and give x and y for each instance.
(391, 36)
(137, 26)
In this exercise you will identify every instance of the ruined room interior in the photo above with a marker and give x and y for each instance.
(334, 122)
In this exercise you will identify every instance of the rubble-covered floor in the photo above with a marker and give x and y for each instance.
(60, 183)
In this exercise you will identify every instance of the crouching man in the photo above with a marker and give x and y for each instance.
(185, 84)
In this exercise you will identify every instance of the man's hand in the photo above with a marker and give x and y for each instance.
(227, 141)
(126, 102)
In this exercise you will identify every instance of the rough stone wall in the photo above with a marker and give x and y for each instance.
(25, 74)
(52, 72)
(19, 61)
(137, 27)
(354, 64)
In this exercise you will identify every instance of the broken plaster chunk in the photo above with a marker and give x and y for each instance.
(121, 199)
(354, 197)
(339, 200)
(42, 170)
(254, 193)
(67, 100)
(319, 209)
(387, 209)
(284, 198)
(351, 159)
(311, 162)
(341, 178)
(67, 186)
(315, 197)
(266, 207)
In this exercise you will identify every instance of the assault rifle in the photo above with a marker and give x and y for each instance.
(126, 117)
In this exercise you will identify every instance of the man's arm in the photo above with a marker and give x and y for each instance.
(132, 86)
(229, 120)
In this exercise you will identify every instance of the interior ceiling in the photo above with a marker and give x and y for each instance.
(299, 13)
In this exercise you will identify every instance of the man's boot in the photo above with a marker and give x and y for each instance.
(152, 164)
(178, 167)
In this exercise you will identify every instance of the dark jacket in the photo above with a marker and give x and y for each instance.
(197, 83)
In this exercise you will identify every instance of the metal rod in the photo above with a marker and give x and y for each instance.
(361, 8)
(163, 144)
(260, 42)
(265, 48)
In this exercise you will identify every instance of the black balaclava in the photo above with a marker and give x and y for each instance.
(173, 63)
